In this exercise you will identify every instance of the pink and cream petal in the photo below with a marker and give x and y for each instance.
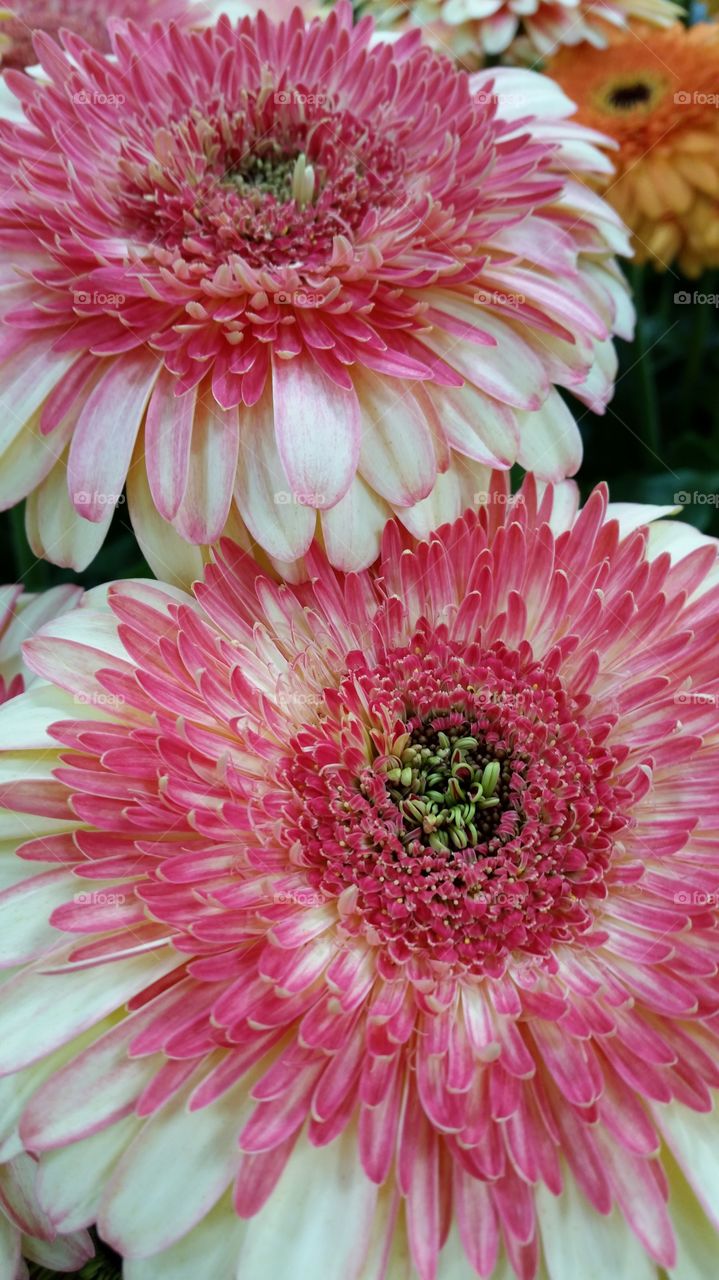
(54, 529)
(318, 432)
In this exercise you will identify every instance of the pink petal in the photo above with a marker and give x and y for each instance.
(318, 432)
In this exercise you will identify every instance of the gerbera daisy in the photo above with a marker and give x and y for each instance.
(471, 29)
(657, 94)
(25, 1229)
(373, 931)
(287, 280)
(88, 18)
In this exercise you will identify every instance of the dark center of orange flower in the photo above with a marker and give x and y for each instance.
(626, 97)
(631, 92)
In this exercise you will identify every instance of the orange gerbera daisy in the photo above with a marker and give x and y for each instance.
(657, 94)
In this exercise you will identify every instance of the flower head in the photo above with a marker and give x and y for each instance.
(287, 282)
(20, 19)
(387, 900)
(471, 29)
(657, 94)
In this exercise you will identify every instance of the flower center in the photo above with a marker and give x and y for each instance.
(272, 173)
(631, 93)
(273, 181)
(627, 96)
(461, 807)
(448, 787)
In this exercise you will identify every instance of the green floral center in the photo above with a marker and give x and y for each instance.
(448, 787)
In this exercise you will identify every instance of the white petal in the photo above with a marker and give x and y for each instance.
(65, 1253)
(397, 455)
(28, 376)
(283, 526)
(171, 558)
(70, 1180)
(549, 440)
(443, 504)
(510, 372)
(9, 1248)
(697, 1242)
(318, 431)
(577, 1241)
(351, 530)
(694, 1141)
(25, 929)
(389, 1257)
(209, 1250)
(634, 515)
(94, 1088)
(55, 531)
(174, 1172)
(39, 1012)
(24, 720)
(31, 613)
(323, 1195)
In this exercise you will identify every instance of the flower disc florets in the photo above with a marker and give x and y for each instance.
(469, 810)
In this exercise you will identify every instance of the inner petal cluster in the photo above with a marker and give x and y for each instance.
(465, 808)
(275, 180)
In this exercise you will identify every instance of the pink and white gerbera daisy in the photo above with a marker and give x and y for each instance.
(368, 927)
(285, 282)
(26, 1231)
(471, 29)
